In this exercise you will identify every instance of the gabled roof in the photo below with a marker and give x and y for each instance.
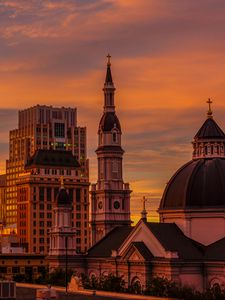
(55, 158)
(210, 130)
(216, 251)
(112, 241)
(172, 239)
(143, 250)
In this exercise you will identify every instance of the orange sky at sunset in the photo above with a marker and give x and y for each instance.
(167, 59)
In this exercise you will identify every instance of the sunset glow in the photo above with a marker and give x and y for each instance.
(167, 59)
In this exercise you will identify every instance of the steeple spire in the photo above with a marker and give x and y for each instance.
(109, 88)
(108, 78)
(209, 113)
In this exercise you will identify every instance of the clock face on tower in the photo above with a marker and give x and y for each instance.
(100, 205)
(116, 204)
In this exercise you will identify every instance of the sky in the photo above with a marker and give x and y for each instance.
(167, 60)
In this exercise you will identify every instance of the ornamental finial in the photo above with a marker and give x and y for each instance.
(144, 212)
(108, 62)
(209, 113)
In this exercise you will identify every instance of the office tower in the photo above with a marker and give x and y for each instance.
(41, 127)
(2, 199)
(38, 188)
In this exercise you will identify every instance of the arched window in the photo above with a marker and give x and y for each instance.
(111, 99)
(114, 137)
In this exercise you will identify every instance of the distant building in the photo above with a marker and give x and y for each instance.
(29, 265)
(41, 127)
(38, 187)
(2, 199)
(110, 197)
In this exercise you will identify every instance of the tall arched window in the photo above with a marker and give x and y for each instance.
(114, 137)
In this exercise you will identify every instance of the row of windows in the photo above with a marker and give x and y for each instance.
(42, 215)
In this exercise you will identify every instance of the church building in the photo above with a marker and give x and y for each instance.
(187, 245)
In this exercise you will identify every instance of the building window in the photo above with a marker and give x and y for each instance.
(49, 224)
(78, 192)
(49, 194)
(41, 194)
(41, 215)
(41, 206)
(56, 190)
(41, 249)
(59, 130)
(71, 194)
(41, 223)
(114, 137)
(49, 215)
(49, 206)
(78, 224)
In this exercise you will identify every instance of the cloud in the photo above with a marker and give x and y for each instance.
(167, 59)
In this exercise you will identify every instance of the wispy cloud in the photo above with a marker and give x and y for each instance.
(168, 58)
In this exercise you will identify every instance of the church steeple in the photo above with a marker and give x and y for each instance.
(109, 89)
(110, 196)
(108, 78)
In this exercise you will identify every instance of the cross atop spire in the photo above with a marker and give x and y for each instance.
(209, 113)
(108, 78)
(109, 62)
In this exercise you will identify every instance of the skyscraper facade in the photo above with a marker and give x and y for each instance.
(37, 190)
(110, 196)
(2, 199)
(41, 127)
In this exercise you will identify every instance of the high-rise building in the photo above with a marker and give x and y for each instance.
(41, 127)
(110, 196)
(2, 199)
(37, 189)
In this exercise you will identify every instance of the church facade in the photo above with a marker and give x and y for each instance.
(187, 245)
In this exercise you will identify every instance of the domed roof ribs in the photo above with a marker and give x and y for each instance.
(210, 130)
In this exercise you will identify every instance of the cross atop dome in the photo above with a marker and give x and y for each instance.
(209, 113)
